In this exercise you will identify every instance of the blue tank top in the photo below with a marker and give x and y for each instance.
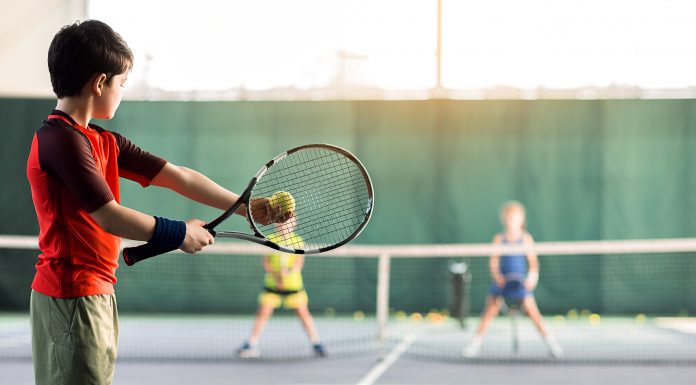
(513, 263)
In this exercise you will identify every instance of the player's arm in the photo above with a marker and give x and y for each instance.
(299, 263)
(68, 156)
(268, 268)
(494, 264)
(198, 187)
(132, 224)
(533, 263)
(267, 264)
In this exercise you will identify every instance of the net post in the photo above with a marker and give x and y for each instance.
(382, 295)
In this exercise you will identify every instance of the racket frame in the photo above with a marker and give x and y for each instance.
(258, 237)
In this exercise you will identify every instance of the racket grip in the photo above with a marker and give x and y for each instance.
(133, 255)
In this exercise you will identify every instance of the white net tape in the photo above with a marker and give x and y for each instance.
(439, 250)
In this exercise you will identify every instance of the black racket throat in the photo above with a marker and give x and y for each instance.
(243, 199)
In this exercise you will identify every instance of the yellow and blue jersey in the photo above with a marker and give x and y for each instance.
(279, 261)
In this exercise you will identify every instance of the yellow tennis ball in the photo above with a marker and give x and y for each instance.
(283, 202)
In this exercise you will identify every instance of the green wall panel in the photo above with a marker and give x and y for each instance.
(586, 170)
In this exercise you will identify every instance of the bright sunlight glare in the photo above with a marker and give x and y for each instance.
(208, 45)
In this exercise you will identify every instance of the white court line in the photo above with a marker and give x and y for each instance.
(376, 372)
(681, 324)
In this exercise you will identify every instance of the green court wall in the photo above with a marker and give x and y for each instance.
(585, 170)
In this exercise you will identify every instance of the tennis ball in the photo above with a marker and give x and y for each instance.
(358, 315)
(595, 319)
(435, 317)
(401, 315)
(640, 318)
(282, 203)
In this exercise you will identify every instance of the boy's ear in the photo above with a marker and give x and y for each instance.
(98, 83)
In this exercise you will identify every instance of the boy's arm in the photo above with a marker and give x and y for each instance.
(533, 261)
(131, 224)
(277, 276)
(299, 263)
(146, 169)
(494, 265)
(196, 186)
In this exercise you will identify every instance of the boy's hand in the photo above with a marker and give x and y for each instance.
(197, 237)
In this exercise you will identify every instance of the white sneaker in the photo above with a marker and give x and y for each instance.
(474, 348)
(248, 351)
(555, 348)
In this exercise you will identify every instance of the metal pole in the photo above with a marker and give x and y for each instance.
(438, 58)
(382, 295)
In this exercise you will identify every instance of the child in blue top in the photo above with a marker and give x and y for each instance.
(512, 267)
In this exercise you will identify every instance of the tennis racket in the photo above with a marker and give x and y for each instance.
(331, 201)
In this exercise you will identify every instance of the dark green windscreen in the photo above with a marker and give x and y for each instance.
(586, 170)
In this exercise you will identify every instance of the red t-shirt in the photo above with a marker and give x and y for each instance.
(74, 170)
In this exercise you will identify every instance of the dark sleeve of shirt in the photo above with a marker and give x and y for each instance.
(136, 164)
(67, 155)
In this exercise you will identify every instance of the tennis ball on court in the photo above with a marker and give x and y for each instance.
(558, 318)
(358, 315)
(282, 203)
(572, 314)
(400, 315)
(640, 318)
(416, 317)
(435, 318)
(595, 319)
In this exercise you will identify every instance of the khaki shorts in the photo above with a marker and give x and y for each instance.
(74, 340)
(288, 301)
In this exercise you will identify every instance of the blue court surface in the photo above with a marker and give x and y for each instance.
(358, 370)
(156, 350)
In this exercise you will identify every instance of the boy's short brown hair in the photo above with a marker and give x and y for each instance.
(82, 50)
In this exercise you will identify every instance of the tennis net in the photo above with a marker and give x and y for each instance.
(603, 302)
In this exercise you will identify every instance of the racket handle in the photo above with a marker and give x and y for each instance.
(133, 255)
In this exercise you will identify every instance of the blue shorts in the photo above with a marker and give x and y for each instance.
(497, 291)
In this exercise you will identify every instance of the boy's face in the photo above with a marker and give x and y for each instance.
(112, 91)
(514, 219)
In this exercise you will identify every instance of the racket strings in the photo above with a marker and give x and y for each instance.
(342, 223)
(331, 194)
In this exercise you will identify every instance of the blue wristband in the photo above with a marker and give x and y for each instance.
(168, 233)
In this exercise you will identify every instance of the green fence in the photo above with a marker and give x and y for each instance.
(609, 169)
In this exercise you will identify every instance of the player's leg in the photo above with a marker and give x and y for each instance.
(300, 303)
(262, 316)
(74, 340)
(268, 302)
(490, 310)
(489, 313)
(530, 307)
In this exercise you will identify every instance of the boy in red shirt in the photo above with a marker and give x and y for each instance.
(73, 169)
